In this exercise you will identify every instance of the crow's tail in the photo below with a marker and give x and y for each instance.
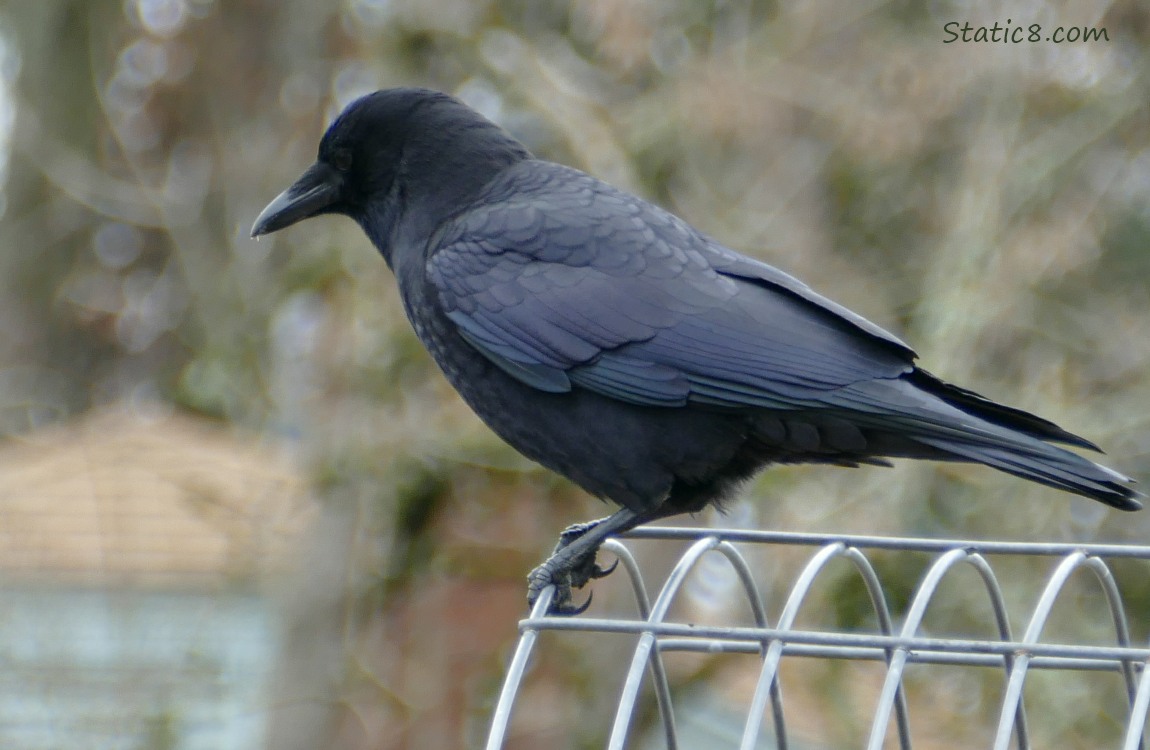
(963, 426)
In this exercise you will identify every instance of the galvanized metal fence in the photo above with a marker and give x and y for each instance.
(898, 642)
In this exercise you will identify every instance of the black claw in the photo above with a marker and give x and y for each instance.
(566, 609)
(600, 572)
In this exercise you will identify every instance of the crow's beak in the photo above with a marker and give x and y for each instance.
(316, 189)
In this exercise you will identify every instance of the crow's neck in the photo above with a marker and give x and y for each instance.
(436, 180)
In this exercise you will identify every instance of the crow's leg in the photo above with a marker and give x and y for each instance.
(572, 564)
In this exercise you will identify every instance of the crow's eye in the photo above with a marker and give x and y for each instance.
(341, 159)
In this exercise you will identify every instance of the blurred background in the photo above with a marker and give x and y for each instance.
(239, 508)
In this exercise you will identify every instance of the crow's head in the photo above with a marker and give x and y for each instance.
(393, 155)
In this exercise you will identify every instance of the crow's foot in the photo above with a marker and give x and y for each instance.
(572, 564)
(569, 567)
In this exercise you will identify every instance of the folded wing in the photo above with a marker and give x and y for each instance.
(571, 283)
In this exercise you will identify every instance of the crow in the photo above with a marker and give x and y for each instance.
(613, 343)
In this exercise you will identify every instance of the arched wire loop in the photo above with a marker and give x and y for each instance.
(1121, 626)
(1013, 698)
(768, 674)
(647, 648)
(515, 671)
(759, 613)
(658, 672)
(643, 649)
(917, 612)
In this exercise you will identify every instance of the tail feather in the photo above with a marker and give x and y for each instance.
(996, 413)
(1053, 467)
(967, 427)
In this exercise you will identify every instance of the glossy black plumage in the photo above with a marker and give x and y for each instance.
(613, 343)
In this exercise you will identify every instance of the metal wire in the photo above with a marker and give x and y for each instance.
(1017, 658)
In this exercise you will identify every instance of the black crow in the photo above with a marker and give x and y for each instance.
(618, 346)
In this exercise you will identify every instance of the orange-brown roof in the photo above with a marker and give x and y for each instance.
(149, 499)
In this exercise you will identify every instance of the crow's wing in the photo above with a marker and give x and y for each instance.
(563, 281)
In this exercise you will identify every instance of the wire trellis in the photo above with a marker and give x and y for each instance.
(896, 645)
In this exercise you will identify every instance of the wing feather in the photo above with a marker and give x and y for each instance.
(574, 283)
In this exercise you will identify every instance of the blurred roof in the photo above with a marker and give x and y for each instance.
(127, 497)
